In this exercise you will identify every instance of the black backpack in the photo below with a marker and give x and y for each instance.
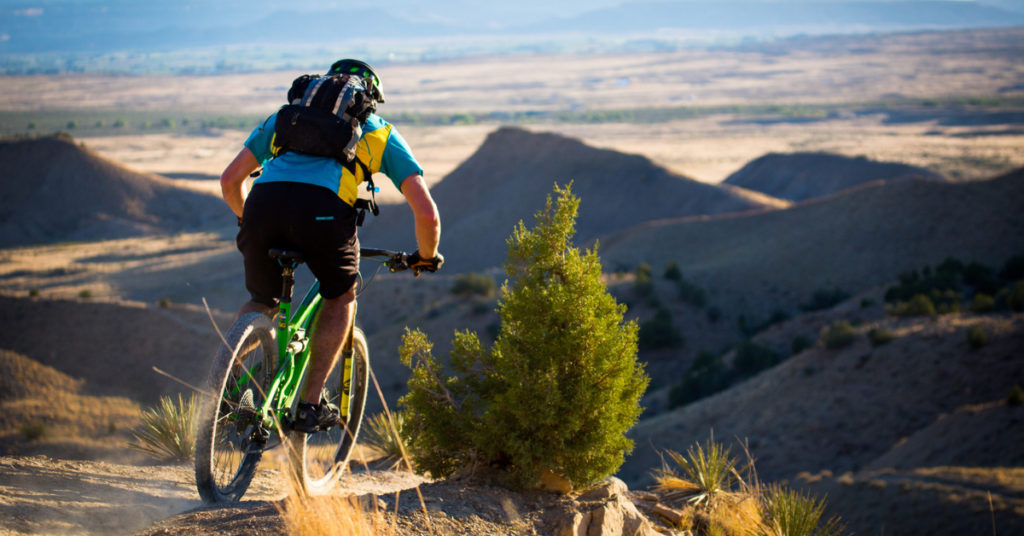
(324, 118)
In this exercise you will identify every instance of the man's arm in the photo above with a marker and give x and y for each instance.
(428, 221)
(232, 180)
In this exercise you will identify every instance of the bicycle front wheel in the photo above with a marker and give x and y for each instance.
(318, 460)
(228, 439)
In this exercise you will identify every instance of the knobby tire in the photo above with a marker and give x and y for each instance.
(224, 465)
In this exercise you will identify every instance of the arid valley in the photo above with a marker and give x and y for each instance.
(771, 210)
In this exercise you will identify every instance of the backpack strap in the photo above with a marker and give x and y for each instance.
(311, 91)
(362, 205)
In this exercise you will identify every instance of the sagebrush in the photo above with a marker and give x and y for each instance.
(558, 389)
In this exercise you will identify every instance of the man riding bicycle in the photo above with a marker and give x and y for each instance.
(309, 203)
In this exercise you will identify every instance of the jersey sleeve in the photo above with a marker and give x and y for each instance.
(260, 140)
(398, 161)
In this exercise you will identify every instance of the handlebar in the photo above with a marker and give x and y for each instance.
(397, 260)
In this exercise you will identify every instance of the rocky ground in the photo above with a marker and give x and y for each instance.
(40, 495)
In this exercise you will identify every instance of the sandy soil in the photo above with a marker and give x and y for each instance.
(40, 495)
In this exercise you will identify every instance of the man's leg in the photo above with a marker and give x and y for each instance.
(329, 333)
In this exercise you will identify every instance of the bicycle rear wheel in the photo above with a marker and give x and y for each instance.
(318, 460)
(227, 440)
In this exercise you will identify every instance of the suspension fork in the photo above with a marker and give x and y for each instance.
(348, 361)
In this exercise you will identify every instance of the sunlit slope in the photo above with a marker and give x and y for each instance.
(508, 178)
(115, 346)
(43, 412)
(52, 190)
(853, 240)
(803, 176)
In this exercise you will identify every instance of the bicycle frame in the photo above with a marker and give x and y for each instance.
(293, 360)
(293, 350)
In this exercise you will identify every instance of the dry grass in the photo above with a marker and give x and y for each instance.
(386, 436)
(168, 430)
(328, 516)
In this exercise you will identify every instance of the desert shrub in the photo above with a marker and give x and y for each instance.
(168, 430)
(714, 314)
(778, 316)
(945, 278)
(1016, 396)
(702, 477)
(146, 124)
(866, 302)
(672, 272)
(30, 126)
(919, 305)
(880, 336)
(977, 337)
(85, 294)
(840, 334)
(34, 430)
(1013, 268)
(382, 437)
(167, 123)
(481, 308)
(119, 123)
(164, 303)
(691, 293)
(473, 284)
(644, 284)
(800, 343)
(945, 301)
(752, 358)
(659, 332)
(1016, 298)
(71, 125)
(825, 299)
(706, 377)
(982, 303)
(785, 512)
(33, 293)
(980, 277)
(558, 389)
(98, 124)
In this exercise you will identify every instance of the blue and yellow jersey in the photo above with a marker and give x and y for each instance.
(381, 148)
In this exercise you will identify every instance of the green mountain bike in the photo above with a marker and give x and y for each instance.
(254, 388)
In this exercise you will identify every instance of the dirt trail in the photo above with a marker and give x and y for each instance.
(40, 495)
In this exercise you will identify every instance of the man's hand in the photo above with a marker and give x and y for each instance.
(418, 264)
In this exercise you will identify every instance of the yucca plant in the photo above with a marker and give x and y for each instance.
(382, 437)
(790, 513)
(168, 430)
(708, 475)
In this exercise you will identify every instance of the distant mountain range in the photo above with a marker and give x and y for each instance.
(120, 25)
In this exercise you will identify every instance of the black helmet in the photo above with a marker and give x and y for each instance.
(362, 70)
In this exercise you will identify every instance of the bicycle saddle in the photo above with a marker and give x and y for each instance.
(287, 256)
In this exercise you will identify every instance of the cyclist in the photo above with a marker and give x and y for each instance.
(305, 203)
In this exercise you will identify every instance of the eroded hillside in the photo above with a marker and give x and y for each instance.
(54, 190)
(508, 178)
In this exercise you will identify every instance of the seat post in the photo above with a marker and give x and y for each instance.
(288, 271)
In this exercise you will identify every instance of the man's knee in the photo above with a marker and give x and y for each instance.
(344, 300)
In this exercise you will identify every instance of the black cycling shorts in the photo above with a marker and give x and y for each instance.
(299, 217)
